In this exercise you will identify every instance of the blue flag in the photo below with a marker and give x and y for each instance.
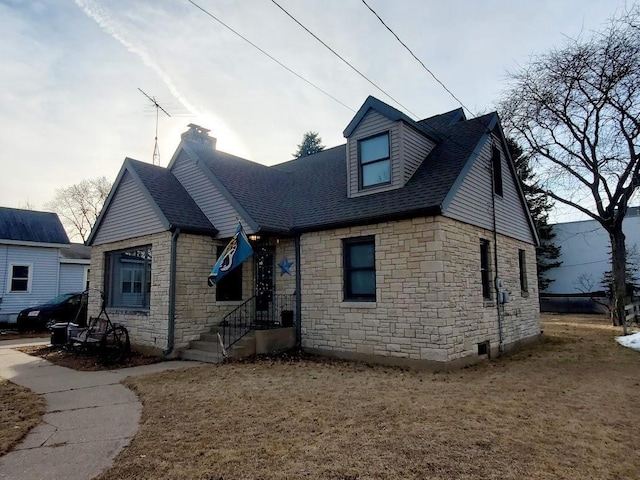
(236, 252)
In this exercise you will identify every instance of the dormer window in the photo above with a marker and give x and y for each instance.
(375, 164)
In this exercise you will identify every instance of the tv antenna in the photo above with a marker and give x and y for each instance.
(156, 105)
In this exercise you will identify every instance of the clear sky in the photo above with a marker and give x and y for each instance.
(70, 107)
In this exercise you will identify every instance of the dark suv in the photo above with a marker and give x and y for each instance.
(68, 307)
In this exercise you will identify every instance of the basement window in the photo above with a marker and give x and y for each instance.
(483, 348)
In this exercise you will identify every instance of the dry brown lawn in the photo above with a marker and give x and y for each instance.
(567, 408)
(20, 411)
(85, 361)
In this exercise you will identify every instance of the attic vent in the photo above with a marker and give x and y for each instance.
(199, 135)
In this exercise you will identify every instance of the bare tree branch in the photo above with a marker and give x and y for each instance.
(79, 205)
(576, 112)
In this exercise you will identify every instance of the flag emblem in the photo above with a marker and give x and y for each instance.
(237, 251)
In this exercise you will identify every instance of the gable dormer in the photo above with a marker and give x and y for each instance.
(384, 149)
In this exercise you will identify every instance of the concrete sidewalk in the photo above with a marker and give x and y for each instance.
(90, 417)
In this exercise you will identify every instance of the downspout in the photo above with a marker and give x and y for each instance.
(495, 261)
(298, 294)
(172, 293)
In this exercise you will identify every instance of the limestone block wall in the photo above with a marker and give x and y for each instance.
(147, 328)
(196, 307)
(285, 283)
(476, 319)
(429, 305)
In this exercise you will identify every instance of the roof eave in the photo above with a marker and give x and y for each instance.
(430, 211)
(213, 231)
(28, 243)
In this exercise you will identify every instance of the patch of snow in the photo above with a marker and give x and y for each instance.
(630, 341)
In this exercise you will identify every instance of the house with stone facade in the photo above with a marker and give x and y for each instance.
(411, 244)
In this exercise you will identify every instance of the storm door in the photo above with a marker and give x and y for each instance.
(264, 257)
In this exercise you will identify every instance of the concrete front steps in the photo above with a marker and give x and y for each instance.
(208, 348)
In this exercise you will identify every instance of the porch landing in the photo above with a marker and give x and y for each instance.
(256, 342)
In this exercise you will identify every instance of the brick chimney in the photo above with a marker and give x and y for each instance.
(199, 135)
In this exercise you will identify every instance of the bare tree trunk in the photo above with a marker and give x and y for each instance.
(619, 280)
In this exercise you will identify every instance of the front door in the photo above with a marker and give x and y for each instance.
(264, 277)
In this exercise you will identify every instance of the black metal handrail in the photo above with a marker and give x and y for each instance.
(257, 312)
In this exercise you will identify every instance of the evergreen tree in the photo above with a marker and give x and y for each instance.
(547, 253)
(311, 143)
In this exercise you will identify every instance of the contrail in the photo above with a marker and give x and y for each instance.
(110, 26)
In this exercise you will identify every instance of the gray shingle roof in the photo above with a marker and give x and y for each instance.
(444, 120)
(264, 192)
(180, 210)
(311, 192)
(31, 226)
(321, 183)
(389, 112)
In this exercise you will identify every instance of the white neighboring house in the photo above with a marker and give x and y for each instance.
(585, 254)
(37, 261)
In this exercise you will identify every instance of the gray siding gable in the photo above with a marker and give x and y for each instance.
(128, 214)
(371, 124)
(156, 197)
(215, 202)
(408, 148)
(414, 148)
(471, 199)
(372, 103)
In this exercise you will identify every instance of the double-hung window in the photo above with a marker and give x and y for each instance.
(128, 281)
(20, 277)
(484, 269)
(522, 262)
(374, 160)
(359, 269)
(496, 168)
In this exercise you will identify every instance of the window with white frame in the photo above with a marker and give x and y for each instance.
(374, 160)
(20, 277)
(128, 277)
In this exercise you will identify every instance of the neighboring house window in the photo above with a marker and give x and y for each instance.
(359, 269)
(497, 171)
(375, 164)
(129, 277)
(484, 268)
(522, 261)
(230, 287)
(20, 277)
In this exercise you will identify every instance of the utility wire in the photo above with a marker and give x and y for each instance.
(270, 56)
(419, 61)
(340, 57)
